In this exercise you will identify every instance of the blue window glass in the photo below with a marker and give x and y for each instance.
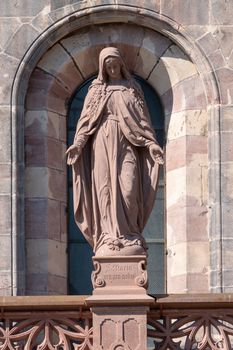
(80, 253)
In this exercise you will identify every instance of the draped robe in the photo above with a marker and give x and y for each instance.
(114, 178)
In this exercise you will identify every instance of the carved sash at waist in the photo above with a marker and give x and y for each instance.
(110, 117)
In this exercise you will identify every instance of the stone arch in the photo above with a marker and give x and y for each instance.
(52, 79)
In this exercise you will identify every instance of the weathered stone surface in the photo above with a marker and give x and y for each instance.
(84, 55)
(42, 219)
(227, 215)
(86, 45)
(230, 61)
(176, 186)
(37, 284)
(5, 214)
(173, 67)
(226, 179)
(221, 11)
(188, 258)
(57, 185)
(8, 66)
(8, 26)
(191, 151)
(186, 11)
(227, 146)
(63, 129)
(64, 218)
(45, 284)
(176, 225)
(186, 123)
(36, 151)
(196, 31)
(5, 283)
(56, 4)
(43, 152)
(223, 35)
(208, 43)
(177, 284)
(42, 182)
(37, 255)
(225, 81)
(226, 119)
(188, 94)
(61, 12)
(179, 159)
(42, 21)
(217, 60)
(191, 183)
(228, 279)
(198, 282)
(22, 7)
(197, 221)
(21, 41)
(44, 123)
(127, 37)
(197, 185)
(5, 178)
(36, 182)
(57, 285)
(186, 224)
(197, 257)
(59, 63)
(46, 92)
(5, 244)
(227, 248)
(57, 252)
(152, 48)
(178, 259)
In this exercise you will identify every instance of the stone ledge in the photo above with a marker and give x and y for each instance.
(119, 300)
(29, 303)
(70, 302)
(194, 301)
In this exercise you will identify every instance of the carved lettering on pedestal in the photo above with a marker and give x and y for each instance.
(119, 274)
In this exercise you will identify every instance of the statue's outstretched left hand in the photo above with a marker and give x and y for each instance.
(72, 154)
(156, 153)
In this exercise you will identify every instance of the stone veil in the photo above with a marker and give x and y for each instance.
(115, 158)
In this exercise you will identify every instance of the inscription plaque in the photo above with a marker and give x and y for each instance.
(115, 272)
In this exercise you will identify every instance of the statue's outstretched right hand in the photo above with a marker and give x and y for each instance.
(73, 154)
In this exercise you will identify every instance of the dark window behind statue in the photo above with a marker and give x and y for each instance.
(79, 251)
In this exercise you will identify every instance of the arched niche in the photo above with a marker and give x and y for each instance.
(177, 71)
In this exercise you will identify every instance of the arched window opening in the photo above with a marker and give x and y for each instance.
(79, 251)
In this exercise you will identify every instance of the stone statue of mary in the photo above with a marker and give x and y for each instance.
(115, 159)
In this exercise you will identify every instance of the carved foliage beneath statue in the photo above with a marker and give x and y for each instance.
(206, 330)
(53, 331)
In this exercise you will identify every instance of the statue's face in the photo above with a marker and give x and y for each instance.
(113, 68)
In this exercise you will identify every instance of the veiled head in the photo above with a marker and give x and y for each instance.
(107, 53)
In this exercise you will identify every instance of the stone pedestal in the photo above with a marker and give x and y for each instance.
(119, 303)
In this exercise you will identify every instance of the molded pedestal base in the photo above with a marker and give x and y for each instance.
(119, 303)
